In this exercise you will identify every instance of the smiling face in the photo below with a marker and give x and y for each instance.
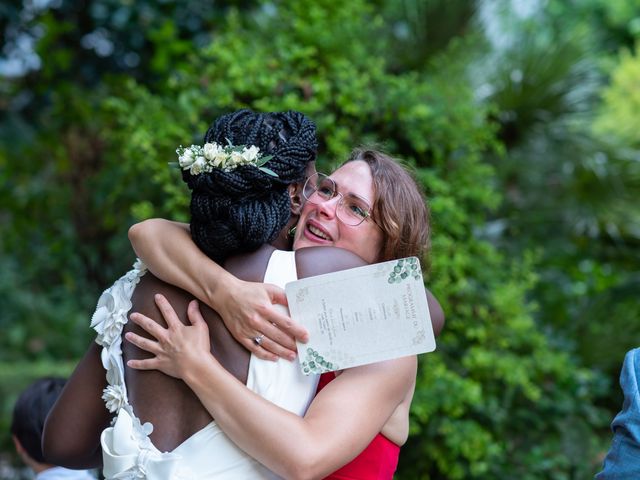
(320, 227)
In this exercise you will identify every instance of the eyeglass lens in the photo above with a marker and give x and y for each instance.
(352, 210)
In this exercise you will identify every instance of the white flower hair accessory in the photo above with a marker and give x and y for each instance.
(199, 159)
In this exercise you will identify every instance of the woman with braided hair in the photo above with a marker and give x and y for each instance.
(180, 413)
(239, 210)
(233, 210)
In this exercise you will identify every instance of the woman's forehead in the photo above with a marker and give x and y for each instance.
(354, 178)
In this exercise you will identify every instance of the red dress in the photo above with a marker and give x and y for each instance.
(378, 461)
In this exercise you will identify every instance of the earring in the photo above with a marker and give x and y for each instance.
(292, 231)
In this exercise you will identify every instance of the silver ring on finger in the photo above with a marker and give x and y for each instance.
(258, 339)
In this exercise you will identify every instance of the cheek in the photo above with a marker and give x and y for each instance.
(305, 210)
(375, 251)
(300, 226)
(298, 235)
(368, 244)
(376, 241)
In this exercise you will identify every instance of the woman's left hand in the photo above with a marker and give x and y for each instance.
(176, 347)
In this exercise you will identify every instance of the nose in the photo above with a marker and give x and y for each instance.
(328, 208)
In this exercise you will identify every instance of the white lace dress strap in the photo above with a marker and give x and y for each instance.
(282, 382)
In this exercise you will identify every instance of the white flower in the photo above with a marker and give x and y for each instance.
(211, 151)
(236, 159)
(199, 159)
(114, 303)
(111, 314)
(187, 158)
(114, 397)
(250, 154)
(219, 159)
(198, 166)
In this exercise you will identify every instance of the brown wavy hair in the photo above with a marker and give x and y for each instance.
(400, 207)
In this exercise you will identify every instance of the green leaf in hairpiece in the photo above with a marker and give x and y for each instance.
(268, 171)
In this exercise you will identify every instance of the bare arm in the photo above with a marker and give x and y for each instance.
(340, 423)
(71, 436)
(170, 254)
(435, 312)
(246, 307)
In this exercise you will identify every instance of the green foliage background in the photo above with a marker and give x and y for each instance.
(519, 125)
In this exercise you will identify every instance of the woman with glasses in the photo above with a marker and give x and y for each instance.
(371, 207)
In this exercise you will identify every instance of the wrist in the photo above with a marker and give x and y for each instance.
(211, 294)
(220, 293)
(203, 369)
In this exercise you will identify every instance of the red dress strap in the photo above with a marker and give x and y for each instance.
(378, 461)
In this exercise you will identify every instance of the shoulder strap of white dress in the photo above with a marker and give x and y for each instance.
(281, 268)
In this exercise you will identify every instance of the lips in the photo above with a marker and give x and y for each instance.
(315, 231)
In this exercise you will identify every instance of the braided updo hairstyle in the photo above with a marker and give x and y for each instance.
(244, 208)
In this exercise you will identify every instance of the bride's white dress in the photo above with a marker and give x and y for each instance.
(208, 454)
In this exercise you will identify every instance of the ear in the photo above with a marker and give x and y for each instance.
(295, 195)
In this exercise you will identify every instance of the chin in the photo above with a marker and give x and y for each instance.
(304, 243)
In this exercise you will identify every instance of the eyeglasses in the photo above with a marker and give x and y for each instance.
(351, 210)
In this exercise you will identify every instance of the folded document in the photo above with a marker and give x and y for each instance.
(362, 315)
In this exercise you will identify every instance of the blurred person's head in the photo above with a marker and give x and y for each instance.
(29, 413)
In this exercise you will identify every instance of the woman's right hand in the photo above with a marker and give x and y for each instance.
(176, 348)
(249, 313)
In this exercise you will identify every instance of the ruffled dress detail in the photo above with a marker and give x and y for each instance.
(127, 449)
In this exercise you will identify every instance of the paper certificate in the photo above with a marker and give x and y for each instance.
(362, 315)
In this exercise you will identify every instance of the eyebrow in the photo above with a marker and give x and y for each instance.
(351, 194)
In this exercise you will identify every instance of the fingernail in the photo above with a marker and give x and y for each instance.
(292, 357)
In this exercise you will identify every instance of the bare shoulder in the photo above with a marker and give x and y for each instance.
(143, 298)
(313, 261)
(250, 266)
